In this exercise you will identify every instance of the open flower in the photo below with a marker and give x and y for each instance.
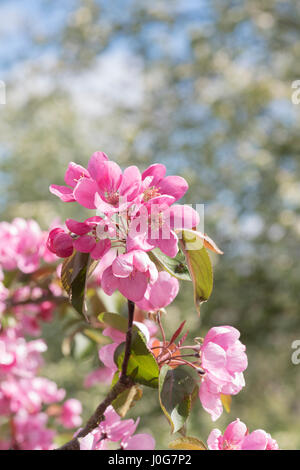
(237, 437)
(113, 429)
(155, 225)
(160, 293)
(74, 174)
(155, 183)
(130, 274)
(110, 190)
(223, 359)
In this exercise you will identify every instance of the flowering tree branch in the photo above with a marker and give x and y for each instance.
(123, 383)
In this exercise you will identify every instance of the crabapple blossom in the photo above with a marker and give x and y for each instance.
(70, 413)
(74, 174)
(237, 437)
(223, 360)
(130, 274)
(22, 246)
(113, 430)
(24, 395)
(160, 293)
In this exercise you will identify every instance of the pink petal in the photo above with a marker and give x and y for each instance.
(79, 228)
(63, 192)
(106, 355)
(235, 432)
(85, 192)
(256, 440)
(85, 244)
(134, 286)
(183, 216)
(141, 442)
(157, 171)
(164, 290)
(168, 246)
(236, 358)
(110, 177)
(109, 282)
(213, 357)
(122, 266)
(101, 248)
(214, 440)
(63, 245)
(131, 183)
(211, 402)
(93, 166)
(74, 173)
(174, 186)
(222, 335)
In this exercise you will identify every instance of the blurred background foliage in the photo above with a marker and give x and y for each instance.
(204, 87)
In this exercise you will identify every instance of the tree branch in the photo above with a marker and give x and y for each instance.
(123, 383)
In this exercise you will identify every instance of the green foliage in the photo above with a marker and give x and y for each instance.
(200, 267)
(176, 387)
(142, 366)
(175, 266)
(74, 275)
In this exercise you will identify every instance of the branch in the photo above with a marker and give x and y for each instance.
(123, 383)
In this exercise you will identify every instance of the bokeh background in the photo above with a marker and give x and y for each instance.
(203, 86)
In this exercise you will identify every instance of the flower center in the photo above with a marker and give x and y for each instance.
(112, 198)
(151, 193)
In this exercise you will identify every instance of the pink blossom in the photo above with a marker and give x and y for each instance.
(63, 244)
(155, 183)
(110, 189)
(113, 429)
(223, 359)
(159, 294)
(237, 437)
(130, 274)
(31, 432)
(156, 223)
(74, 174)
(100, 375)
(70, 413)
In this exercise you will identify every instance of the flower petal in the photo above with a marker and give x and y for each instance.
(74, 173)
(94, 162)
(63, 192)
(85, 192)
(175, 186)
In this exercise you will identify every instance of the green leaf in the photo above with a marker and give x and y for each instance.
(75, 271)
(176, 388)
(142, 366)
(175, 266)
(199, 265)
(187, 443)
(127, 399)
(114, 320)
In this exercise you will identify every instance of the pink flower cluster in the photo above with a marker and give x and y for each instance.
(23, 249)
(223, 360)
(113, 430)
(24, 395)
(135, 215)
(22, 246)
(237, 437)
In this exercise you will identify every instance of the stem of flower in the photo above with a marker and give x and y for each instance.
(123, 383)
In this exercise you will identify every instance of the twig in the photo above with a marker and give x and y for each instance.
(123, 383)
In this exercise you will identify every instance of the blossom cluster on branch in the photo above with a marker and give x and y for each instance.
(142, 244)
